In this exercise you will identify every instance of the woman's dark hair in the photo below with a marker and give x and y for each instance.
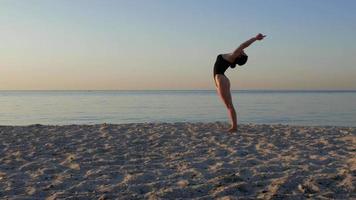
(241, 60)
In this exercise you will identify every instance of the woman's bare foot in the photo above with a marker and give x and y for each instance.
(232, 130)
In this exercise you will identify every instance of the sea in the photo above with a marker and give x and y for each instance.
(311, 108)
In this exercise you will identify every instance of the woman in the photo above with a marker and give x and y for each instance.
(222, 83)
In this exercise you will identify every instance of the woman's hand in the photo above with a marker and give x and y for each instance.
(260, 36)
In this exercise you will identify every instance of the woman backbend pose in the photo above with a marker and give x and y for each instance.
(222, 83)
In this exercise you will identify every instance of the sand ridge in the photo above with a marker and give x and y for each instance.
(176, 161)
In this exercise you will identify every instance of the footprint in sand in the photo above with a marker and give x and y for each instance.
(69, 162)
(104, 131)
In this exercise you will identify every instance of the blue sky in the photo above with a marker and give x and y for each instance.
(172, 44)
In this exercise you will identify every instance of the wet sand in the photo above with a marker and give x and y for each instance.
(177, 161)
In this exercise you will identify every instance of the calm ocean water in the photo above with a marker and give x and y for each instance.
(91, 107)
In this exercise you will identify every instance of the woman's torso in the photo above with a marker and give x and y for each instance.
(221, 64)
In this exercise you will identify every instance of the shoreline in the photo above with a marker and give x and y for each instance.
(223, 123)
(177, 160)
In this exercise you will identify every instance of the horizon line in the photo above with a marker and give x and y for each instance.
(296, 90)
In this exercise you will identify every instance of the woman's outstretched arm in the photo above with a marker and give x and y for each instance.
(244, 45)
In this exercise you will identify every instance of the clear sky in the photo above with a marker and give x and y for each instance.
(173, 44)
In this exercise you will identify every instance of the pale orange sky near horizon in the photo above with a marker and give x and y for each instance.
(128, 45)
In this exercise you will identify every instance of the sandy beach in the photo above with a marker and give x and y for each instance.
(177, 161)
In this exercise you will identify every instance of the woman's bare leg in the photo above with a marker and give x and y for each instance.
(223, 88)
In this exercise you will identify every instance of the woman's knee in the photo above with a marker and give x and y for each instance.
(230, 106)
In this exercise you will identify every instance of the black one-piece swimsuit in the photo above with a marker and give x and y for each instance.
(221, 65)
